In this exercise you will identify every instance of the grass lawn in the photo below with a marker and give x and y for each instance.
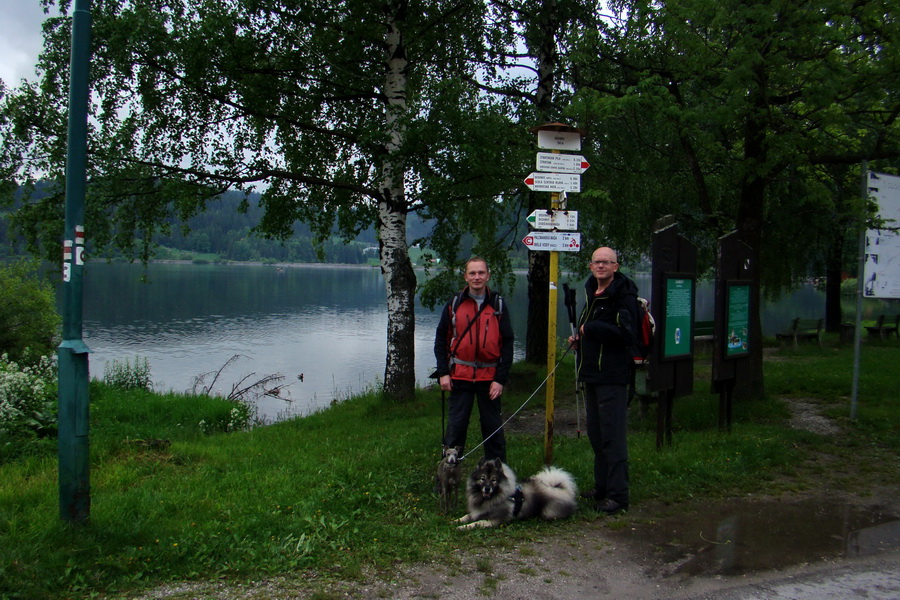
(349, 489)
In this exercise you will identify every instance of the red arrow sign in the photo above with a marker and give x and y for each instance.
(563, 241)
(553, 182)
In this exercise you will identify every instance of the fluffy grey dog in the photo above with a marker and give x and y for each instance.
(448, 477)
(494, 497)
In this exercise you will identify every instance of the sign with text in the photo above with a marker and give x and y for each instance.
(737, 319)
(553, 182)
(553, 219)
(555, 241)
(678, 337)
(559, 140)
(561, 163)
(882, 260)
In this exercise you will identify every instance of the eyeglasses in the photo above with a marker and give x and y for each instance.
(603, 263)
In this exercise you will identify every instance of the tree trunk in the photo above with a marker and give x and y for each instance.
(749, 224)
(833, 313)
(400, 281)
(538, 303)
(536, 349)
(396, 268)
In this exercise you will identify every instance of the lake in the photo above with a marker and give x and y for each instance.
(326, 322)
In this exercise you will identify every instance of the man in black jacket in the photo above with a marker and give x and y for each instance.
(605, 336)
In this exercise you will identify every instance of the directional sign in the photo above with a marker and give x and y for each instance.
(553, 219)
(555, 241)
(561, 163)
(559, 140)
(553, 182)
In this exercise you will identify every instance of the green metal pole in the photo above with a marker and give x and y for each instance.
(73, 419)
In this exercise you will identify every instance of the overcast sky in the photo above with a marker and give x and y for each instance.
(20, 39)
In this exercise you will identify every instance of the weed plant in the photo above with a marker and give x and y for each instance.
(127, 375)
(348, 490)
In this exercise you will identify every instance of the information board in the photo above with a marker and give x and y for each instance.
(882, 260)
(678, 338)
(737, 319)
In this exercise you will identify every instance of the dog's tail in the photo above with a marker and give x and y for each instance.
(554, 477)
(557, 492)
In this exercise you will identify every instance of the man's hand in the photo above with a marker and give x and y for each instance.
(496, 390)
(445, 382)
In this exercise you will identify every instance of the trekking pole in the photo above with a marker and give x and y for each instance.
(443, 405)
(569, 298)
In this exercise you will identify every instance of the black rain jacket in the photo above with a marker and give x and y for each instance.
(604, 354)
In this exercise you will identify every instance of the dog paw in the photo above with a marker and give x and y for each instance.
(478, 525)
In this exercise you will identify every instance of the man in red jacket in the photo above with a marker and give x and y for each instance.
(473, 347)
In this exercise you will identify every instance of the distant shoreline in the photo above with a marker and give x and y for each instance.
(252, 263)
(256, 263)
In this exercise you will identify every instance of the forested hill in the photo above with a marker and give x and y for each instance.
(223, 232)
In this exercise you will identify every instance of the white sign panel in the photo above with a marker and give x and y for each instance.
(556, 241)
(553, 182)
(561, 163)
(559, 140)
(553, 219)
(882, 266)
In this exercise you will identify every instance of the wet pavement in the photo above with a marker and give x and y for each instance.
(870, 580)
(741, 537)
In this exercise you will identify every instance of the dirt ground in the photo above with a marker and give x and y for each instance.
(643, 555)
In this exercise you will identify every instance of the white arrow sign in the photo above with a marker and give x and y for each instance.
(553, 219)
(561, 163)
(556, 241)
(553, 182)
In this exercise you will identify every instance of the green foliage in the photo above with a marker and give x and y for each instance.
(30, 323)
(127, 375)
(239, 418)
(758, 114)
(27, 404)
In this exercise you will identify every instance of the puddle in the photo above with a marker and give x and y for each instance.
(742, 537)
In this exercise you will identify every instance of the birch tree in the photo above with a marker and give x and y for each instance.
(343, 114)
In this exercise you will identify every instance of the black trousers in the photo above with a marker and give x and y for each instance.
(606, 408)
(462, 399)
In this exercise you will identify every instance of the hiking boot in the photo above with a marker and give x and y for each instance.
(610, 507)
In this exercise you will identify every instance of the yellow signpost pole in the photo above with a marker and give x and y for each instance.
(551, 346)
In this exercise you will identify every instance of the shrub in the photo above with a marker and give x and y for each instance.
(31, 325)
(127, 375)
(27, 397)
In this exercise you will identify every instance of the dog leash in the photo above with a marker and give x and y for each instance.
(518, 410)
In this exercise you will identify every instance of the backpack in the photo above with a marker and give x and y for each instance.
(494, 299)
(644, 332)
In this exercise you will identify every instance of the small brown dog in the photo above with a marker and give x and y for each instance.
(448, 477)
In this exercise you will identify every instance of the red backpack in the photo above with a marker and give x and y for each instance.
(645, 330)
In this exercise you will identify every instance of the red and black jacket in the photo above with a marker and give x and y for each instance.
(474, 344)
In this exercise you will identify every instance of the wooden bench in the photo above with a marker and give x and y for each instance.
(803, 329)
(884, 330)
(703, 335)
